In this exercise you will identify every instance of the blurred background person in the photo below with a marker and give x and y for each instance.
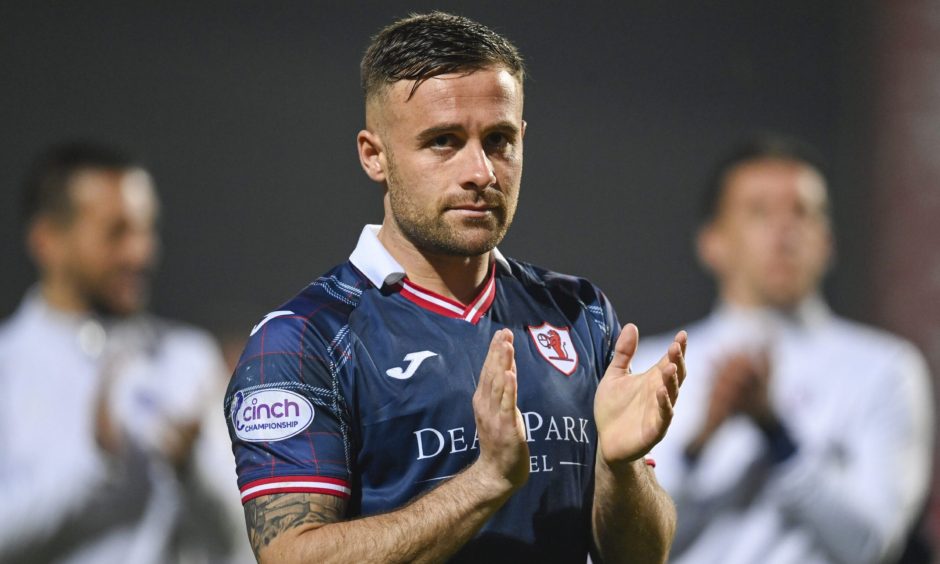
(803, 437)
(107, 413)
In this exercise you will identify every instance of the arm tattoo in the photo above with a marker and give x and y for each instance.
(270, 515)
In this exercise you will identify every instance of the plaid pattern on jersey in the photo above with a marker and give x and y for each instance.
(390, 371)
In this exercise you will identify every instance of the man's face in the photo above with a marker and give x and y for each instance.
(770, 242)
(452, 159)
(106, 252)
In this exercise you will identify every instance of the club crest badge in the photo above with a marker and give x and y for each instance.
(555, 346)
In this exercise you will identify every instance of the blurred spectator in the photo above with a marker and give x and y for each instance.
(102, 458)
(801, 437)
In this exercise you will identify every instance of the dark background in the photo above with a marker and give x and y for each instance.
(246, 113)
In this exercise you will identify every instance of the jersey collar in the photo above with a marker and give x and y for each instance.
(371, 258)
(378, 265)
(452, 308)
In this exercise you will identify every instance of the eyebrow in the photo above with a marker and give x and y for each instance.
(432, 132)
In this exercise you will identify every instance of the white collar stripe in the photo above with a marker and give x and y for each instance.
(450, 308)
(475, 307)
(407, 286)
(373, 260)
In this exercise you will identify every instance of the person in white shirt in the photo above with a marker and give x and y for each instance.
(804, 437)
(103, 410)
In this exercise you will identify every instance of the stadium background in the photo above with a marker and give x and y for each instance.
(246, 112)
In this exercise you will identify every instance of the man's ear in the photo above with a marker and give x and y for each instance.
(371, 155)
(524, 125)
(43, 242)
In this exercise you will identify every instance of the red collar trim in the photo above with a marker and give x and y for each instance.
(452, 308)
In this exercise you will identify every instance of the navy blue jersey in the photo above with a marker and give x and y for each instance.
(361, 387)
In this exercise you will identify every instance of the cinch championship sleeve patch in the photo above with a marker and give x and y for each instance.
(286, 417)
(270, 415)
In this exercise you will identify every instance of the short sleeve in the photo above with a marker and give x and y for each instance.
(285, 411)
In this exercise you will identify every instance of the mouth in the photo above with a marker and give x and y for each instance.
(131, 279)
(473, 211)
(472, 207)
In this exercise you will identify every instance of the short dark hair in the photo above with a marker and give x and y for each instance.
(422, 46)
(46, 188)
(755, 148)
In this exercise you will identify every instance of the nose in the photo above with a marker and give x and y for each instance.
(476, 168)
(786, 227)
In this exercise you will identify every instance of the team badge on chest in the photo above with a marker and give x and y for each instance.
(555, 346)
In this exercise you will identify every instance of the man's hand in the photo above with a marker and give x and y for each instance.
(742, 385)
(504, 455)
(633, 518)
(755, 389)
(633, 411)
(178, 441)
(725, 400)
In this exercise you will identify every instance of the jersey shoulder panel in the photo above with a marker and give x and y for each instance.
(564, 287)
(320, 310)
(285, 405)
(575, 295)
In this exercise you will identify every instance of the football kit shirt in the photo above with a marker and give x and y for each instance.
(361, 385)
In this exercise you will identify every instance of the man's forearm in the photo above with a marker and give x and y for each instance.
(634, 519)
(310, 527)
(429, 529)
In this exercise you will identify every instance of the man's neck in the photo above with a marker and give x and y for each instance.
(743, 301)
(456, 277)
(807, 309)
(61, 296)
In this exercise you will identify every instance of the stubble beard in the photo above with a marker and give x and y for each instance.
(431, 232)
(103, 300)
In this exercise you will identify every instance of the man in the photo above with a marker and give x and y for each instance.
(101, 401)
(804, 437)
(431, 398)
